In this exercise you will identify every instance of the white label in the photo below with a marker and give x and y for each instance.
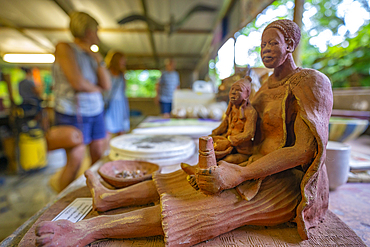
(75, 211)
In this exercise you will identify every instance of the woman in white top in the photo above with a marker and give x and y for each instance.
(80, 78)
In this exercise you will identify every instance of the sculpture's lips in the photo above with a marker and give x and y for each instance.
(267, 58)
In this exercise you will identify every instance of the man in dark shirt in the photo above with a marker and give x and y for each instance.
(29, 93)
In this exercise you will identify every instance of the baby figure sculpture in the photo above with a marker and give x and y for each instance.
(274, 172)
(233, 138)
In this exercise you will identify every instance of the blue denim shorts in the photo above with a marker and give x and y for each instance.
(165, 107)
(92, 128)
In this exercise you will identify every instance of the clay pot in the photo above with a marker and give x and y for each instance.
(113, 172)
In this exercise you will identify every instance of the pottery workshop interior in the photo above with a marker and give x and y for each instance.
(184, 123)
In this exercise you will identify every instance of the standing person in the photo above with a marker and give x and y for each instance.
(29, 93)
(117, 112)
(80, 77)
(167, 84)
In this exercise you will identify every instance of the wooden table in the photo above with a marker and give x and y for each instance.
(350, 202)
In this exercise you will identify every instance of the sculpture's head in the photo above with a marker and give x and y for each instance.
(279, 40)
(240, 91)
(84, 27)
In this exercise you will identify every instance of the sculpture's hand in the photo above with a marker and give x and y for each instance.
(221, 143)
(217, 178)
(236, 140)
(192, 181)
(190, 170)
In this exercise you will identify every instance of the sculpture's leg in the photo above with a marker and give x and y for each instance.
(236, 158)
(139, 223)
(105, 199)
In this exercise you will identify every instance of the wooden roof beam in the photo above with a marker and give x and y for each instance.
(118, 30)
(151, 35)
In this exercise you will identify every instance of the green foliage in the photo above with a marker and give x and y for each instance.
(326, 16)
(141, 83)
(347, 66)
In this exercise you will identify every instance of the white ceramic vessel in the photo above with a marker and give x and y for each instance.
(160, 149)
(337, 163)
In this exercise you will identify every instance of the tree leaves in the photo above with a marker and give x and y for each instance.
(347, 66)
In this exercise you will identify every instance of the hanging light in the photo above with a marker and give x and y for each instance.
(94, 48)
(29, 58)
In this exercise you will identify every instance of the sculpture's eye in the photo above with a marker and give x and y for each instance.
(273, 43)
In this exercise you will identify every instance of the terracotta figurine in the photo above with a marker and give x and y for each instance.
(288, 155)
(233, 138)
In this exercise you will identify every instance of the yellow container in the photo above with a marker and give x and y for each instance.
(32, 150)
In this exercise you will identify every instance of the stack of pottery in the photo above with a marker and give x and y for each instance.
(163, 150)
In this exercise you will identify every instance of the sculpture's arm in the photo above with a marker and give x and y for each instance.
(222, 128)
(227, 175)
(249, 128)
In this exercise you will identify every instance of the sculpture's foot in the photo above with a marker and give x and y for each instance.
(62, 233)
(97, 190)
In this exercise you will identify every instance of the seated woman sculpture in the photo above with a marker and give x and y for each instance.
(293, 108)
(233, 138)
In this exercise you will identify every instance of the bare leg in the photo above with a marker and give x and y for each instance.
(107, 140)
(145, 222)
(105, 199)
(74, 158)
(166, 115)
(97, 149)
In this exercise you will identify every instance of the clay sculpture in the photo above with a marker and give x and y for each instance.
(282, 178)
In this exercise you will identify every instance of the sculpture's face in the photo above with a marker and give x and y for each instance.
(274, 49)
(237, 94)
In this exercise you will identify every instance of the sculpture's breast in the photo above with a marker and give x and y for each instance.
(236, 125)
(272, 118)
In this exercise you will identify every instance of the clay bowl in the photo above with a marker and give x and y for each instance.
(346, 129)
(111, 172)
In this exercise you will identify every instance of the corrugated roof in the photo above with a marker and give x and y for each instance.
(37, 25)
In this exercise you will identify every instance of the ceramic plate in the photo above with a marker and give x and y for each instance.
(151, 144)
(191, 131)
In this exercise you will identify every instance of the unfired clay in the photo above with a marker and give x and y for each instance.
(280, 178)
